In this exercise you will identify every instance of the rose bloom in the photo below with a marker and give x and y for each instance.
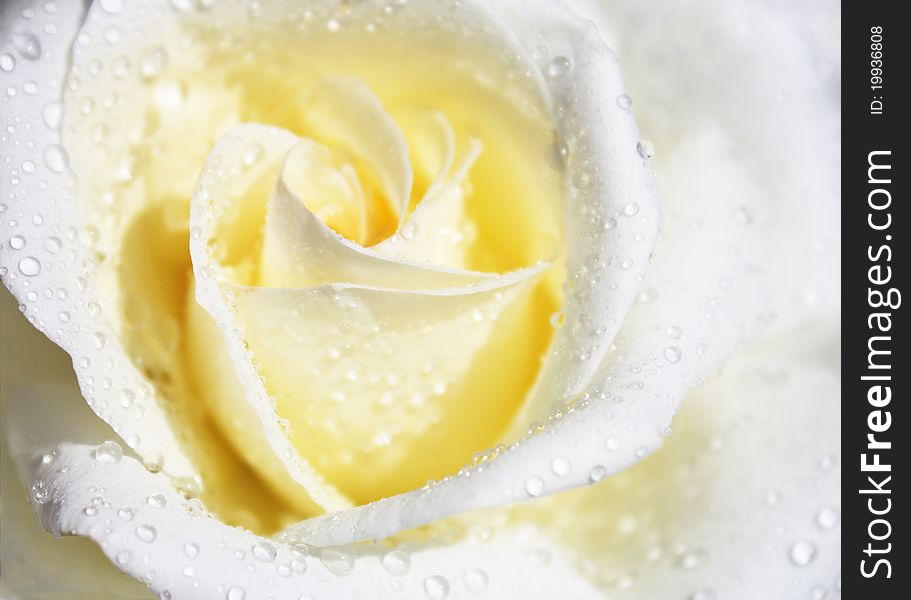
(352, 289)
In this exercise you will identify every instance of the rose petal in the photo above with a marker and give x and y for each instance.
(42, 261)
(742, 500)
(157, 536)
(444, 321)
(34, 562)
(343, 110)
(702, 295)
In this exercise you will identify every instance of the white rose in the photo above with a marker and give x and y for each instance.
(307, 256)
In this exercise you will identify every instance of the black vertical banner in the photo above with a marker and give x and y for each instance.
(876, 63)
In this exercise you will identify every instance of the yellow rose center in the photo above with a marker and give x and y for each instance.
(366, 398)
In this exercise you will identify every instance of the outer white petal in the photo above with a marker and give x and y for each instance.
(192, 555)
(41, 258)
(33, 564)
(743, 501)
(768, 73)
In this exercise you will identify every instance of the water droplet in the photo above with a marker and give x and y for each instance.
(252, 154)
(612, 443)
(111, 6)
(673, 332)
(819, 593)
(560, 466)
(744, 215)
(236, 593)
(157, 500)
(802, 553)
(40, 493)
(436, 587)
(264, 551)
(56, 158)
(673, 354)
(475, 580)
(127, 398)
(693, 559)
(597, 474)
(397, 562)
(338, 562)
(191, 550)
(17, 242)
(7, 63)
(109, 453)
(52, 115)
(827, 518)
(189, 486)
(153, 62)
(631, 209)
(645, 148)
(558, 67)
(534, 486)
(29, 266)
(126, 514)
(146, 533)
(624, 101)
(582, 180)
(410, 230)
(27, 46)
(123, 557)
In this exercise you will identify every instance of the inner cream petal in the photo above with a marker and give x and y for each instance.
(343, 112)
(438, 230)
(385, 389)
(299, 250)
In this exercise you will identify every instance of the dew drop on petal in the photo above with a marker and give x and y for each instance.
(597, 474)
(52, 115)
(109, 453)
(397, 562)
(191, 550)
(111, 6)
(235, 592)
(29, 266)
(338, 562)
(672, 354)
(436, 587)
(264, 551)
(692, 559)
(146, 533)
(631, 209)
(827, 518)
(534, 486)
(558, 67)
(56, 158)
(560, 466)
(7, 63)
(645, 148)
(475, 580)
(157, 500)
(802, 553)
(27, 45)
(40, 493)
(624, 101)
